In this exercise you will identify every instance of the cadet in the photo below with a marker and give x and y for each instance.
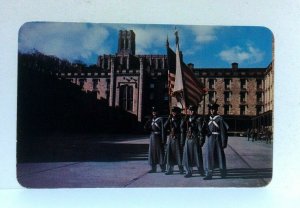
(192, 153)
(216, 141)
(173, 155)
(156, 145)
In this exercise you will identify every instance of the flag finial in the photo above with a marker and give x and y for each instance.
(176, 36)
(167, 42)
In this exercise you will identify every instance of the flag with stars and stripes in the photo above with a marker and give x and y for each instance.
(183, 84)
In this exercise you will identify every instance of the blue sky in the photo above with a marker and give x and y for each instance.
(205, 46)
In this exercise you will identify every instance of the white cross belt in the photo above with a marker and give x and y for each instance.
(212, 120)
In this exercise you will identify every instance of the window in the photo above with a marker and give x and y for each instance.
(158, 64)
(259, 84)
(227, 83)
(81, 82)
(166, 97)
(259, 97)
(226, 109)
(107, 94)
(211, 96)
(95, 83)
(259, 110)
(243, 84)
(153, 63)
(227, 96)
(151, 96)
(242, 110)
(211, 84)
(152, 85)
(243, 97)
(126, 97)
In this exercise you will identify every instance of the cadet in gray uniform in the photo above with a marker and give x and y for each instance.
(192, 153)
(216, 141)
(156, 145)
(173, 154)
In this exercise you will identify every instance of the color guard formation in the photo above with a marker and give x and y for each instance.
(180, 140)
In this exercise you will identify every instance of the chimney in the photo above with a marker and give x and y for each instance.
(235, 66)
(191, 66)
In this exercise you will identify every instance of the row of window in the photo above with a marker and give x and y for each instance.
(227, 83)
(243, 110)
(126, 98)
(228, 95)
(152, 85)
(95, 83)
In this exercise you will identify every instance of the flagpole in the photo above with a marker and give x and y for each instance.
(169, 92)
(170, 96)
(204, 96)
(183, 81)
(183, 95)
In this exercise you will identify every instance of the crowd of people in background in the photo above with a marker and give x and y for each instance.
(263, 134)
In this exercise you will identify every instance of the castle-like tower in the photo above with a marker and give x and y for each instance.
(126, 42)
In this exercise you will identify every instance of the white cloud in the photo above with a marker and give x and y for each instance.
(240, 55)
(80, 41)
(66, 40)
(149, 38)
(204, 34)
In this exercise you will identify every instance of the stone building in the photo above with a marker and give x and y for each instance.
(134, 83)
(131, 82)
(244, 94)
(238, 91)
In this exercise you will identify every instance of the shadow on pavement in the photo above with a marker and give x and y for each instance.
(247, 173)
(81, 152)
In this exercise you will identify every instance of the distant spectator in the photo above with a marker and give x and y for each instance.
(249, 133)
(269, 136)
(254, 135)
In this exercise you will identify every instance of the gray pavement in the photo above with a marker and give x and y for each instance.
(249, 164)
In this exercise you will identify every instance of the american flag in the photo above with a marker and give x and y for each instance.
(194, 90)
(182, 82)
(171, 72)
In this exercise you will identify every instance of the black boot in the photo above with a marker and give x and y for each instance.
(188, 175)
(169, 172)
(208, 176)
(163, 168)
(153, 170)
(201, 172)
(223, 173)
(181, 171)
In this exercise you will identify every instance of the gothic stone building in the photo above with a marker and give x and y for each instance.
(126, 80)
(137, 82)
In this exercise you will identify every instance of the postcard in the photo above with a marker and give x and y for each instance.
(136, 105)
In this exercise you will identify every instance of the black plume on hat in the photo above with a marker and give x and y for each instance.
(213, 105)
(192, 108)
(176, 109)
(154, 109)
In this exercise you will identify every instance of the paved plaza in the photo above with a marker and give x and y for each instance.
(122, 162)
